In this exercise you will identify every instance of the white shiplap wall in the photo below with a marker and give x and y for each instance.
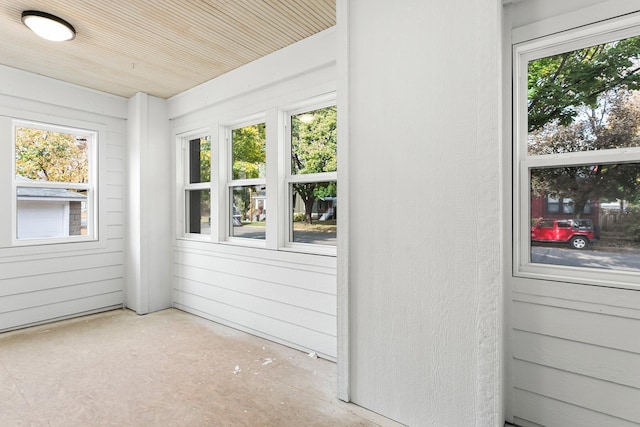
(576, 354)
(284, 296)
(573, 350)
(288, 298)
(40, 284)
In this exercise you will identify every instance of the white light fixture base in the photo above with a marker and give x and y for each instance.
(48, 26)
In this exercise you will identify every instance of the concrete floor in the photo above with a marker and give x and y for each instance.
(164, 369)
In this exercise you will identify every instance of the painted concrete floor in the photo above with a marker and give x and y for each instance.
(167, 368)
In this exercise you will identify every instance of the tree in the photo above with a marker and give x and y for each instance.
(586, 100)
(558, 85)
(249, 155)
(51, 156)
(616, 125)
(314, 150)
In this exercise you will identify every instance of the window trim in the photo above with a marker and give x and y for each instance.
(96, 197)
(524, 52)
(184, 185)
(278, 161)
(312, 104)
(230, 183)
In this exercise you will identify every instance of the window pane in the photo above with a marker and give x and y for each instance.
(585, 100)
(248, 151)
(200, 160)
(249, 211)
(314, 212)
(44, 155)
(314, 141)
(198, 211)
(600, 215)
(50, 212)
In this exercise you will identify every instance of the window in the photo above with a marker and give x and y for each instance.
(247, 186)
(197, 190)
(55, 183)
(577, 144)
(270, 182)
(312, 178)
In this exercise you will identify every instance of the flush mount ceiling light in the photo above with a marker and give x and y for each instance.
(48, 26)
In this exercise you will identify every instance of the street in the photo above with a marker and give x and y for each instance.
(585, 258)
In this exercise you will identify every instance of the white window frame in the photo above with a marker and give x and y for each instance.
(184, 185)
(523, 53)
(277, 180)
(91, 187)
(227, 132)
(316, 103)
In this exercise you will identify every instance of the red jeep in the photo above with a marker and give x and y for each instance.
(577, 232)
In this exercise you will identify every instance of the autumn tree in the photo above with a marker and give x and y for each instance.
(51, 156)
(314, 150)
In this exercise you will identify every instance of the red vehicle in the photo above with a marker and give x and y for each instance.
(578, 233)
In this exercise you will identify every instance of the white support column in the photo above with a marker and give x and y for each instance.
(148, 211)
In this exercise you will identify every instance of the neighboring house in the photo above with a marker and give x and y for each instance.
(552, 207)
(48, 212)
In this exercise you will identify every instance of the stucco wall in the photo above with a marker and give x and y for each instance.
(424, 210)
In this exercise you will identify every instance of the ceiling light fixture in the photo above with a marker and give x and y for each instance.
(48, 26)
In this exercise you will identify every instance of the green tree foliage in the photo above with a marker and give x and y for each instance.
(618, 127)
(586, 100)
(558, 85)
(51, 156)
(314, 143)
(205, 159)
(249, 154)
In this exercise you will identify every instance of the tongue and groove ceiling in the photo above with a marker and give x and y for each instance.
(160, 47)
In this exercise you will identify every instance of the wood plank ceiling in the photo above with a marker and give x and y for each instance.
(160, 47)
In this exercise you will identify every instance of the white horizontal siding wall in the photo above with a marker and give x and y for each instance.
(41, 284)
(284, 296)
(573, 351)
(576, 355)
(289, 299)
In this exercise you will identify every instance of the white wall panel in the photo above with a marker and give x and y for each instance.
(424, 210)
(281, 295)
(550, 412)
(287, 302)
(574, 356)
(579, 390)
(45, 283)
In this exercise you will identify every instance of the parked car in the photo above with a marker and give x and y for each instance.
(578, 233)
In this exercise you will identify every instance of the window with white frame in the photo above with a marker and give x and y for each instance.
(54, 184)
(293, 152)
(312, 175)
(247, 184)
(577, 151)
(197, 187)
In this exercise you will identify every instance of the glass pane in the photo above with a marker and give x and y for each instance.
(586, 216)
(314, 213)
(198, 211)
(585, 100)
(314, 141)
(200, 160)
(50, 212)
(249, 152)
(249, 211)
(43, 155)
